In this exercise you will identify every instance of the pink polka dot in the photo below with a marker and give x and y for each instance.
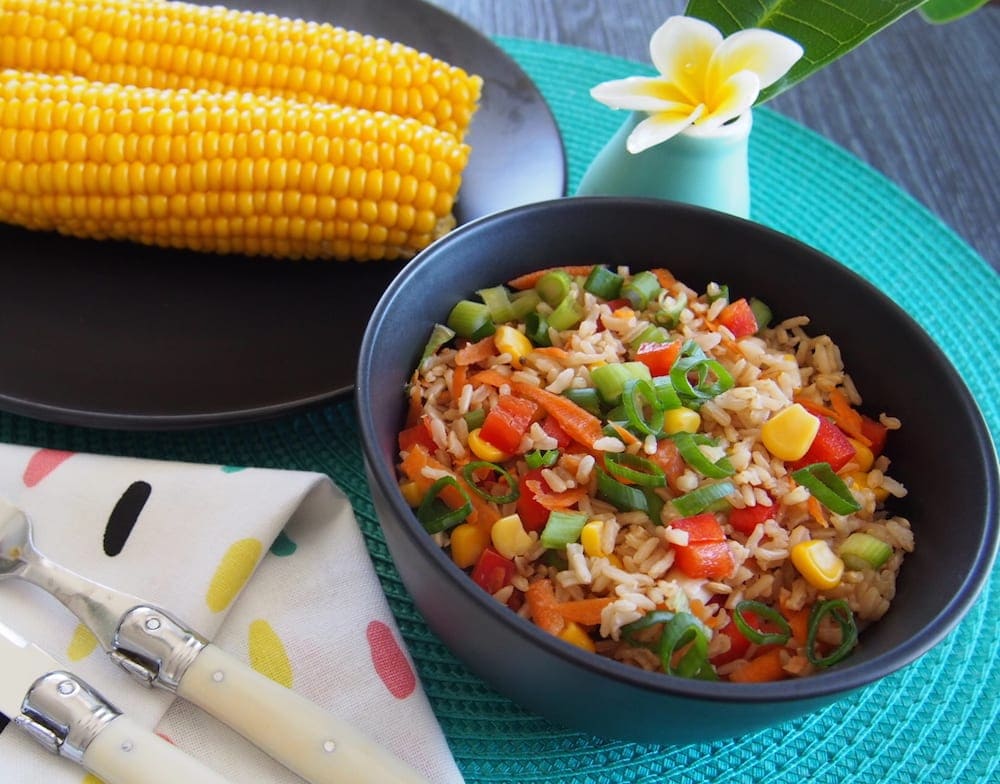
(43, 463)
(390, 662)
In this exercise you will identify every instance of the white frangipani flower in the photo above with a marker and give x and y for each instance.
(705, 80)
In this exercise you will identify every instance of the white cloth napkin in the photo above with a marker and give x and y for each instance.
(269, 564)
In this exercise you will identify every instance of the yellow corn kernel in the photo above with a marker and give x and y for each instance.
(509, 537)
(864, 458)
(860, 480)
(484, 450)
(467, 543)
(212, 171)
(615, 561)
(411, 493)
(818, 564)
(590, 538)
(576, 635)
(789, 433)
(179, 45)
(683, 419)
(509, 340)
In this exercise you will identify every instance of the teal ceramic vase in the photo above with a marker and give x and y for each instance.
(704, 167)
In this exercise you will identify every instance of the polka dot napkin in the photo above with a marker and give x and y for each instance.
(268, 564)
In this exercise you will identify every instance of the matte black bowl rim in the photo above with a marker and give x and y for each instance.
(843, 678)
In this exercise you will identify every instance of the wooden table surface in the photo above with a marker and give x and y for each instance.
(919, 102)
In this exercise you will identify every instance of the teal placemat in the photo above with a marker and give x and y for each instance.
(935, 721)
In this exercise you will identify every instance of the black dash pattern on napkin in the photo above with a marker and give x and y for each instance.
(124, 516)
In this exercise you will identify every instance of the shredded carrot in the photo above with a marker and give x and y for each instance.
(816, 511)
(551, 351)
(413, 466)
(798, 620)
(579, 424)
(542, 605)
(625, 435)
(459, 378)
(624, 312)
(528, 281)
(471, 353)
(562, 500)
(586, 612)
(848, 419)
(816, 408)
(761, 669)
(489, 377)
(664, 276)
(703, 614)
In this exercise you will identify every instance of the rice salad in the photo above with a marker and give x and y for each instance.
(667, 477)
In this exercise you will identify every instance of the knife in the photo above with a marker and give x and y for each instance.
(70, 719)
(160, 650)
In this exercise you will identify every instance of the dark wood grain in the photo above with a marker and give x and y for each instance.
(919, 102)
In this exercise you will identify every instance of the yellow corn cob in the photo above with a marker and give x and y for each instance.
(225, 172)
(155, 43)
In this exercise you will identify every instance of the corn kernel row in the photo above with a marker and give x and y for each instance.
(224, 172)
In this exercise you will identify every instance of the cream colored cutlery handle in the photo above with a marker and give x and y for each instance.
(125, 753)
(303, 737)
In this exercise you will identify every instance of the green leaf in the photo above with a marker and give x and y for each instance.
(942, 11)
(825, 30)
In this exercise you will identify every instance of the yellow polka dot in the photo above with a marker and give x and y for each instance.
(90, 778)
(267, 654)
(82, 644)
(232, 573)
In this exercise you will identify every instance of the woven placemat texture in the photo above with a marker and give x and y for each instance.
(935, 721)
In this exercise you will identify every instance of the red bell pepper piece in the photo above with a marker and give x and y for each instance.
(738, 644)
(668, 457)
(492, 571)
(875, 432)
(749, 517)
(533, 515)
(829, 446)
(706, 554)
(507, 422)
(553, 429)
(659, 357)
(739, 319)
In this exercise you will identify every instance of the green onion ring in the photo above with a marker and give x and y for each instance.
(624, 465)
(679, 629)
(541, 458)
(765, 613)
(622, 497)
(827, 488)
(638, 390)
(434, 514)
(687, 445)
(841, 613)
(697, 501)
(468, 471)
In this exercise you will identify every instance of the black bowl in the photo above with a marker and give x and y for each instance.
(952, 504)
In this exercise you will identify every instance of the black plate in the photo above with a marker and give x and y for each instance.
(113, 334)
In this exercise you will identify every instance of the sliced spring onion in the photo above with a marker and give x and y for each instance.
(566, 315)
(623, 497)
(524, 302)
(562, 528)
(761, 312)
(434, 514)
(471, 320)
(497, 299)
(864, 551)
(680, 630)
(697, 501)
(642, 407)
(666, 394)
(440, 335)
(553, 287)
(651, 334)
(721, 293)
(586, 398)
(603, 283)
(635, 469)
(536, 327)
(541, 458)
(712, 379)
(469, 473)
(767, 615)
(840, 612)
(671, 316)
(610, 380)
(475, 418)
(640, 289)
(826, 487)
(687, 445)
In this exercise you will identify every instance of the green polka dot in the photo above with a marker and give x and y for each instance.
(283, 545)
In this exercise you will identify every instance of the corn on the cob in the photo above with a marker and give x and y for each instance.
(224, 172)
(157, 43)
